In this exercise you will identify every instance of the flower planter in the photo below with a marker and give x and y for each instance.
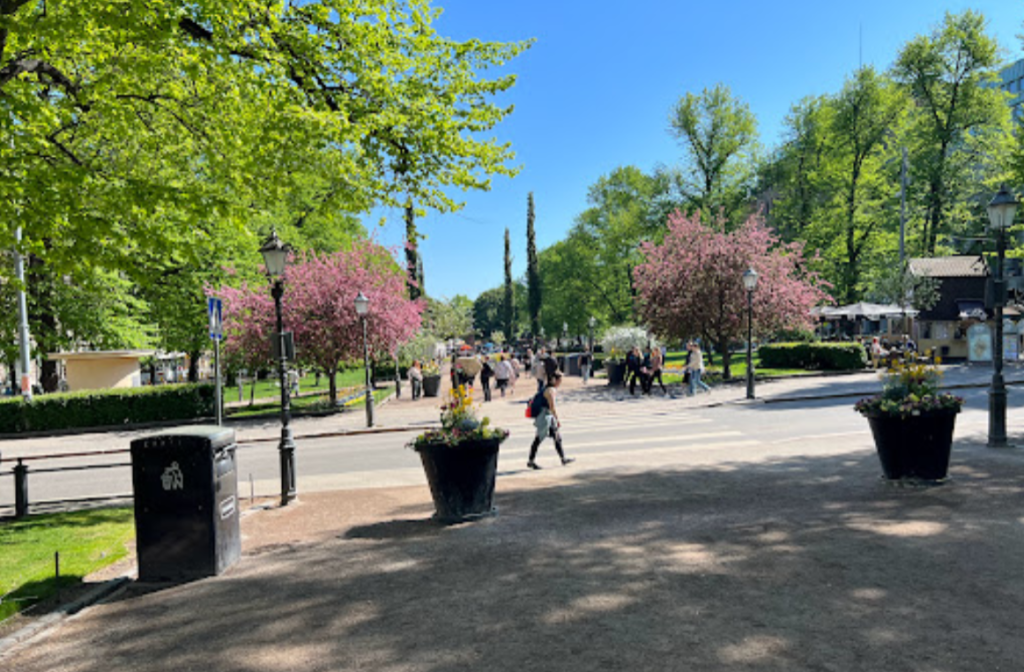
(461, 478)
(431, 386)
(916, 446)
(616, 372)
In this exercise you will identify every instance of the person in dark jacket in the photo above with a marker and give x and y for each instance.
(486, 373)
(633, 363)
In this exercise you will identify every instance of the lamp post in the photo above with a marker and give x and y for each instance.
(362, 309)
(591, 323)
(1000, 213)
(275, 258)
(750, 284)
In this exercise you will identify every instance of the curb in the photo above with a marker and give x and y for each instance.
(868, 393)
(100, 592)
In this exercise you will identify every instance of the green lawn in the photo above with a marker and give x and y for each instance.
(268, 387)
(319, 402)
(86, 540)
(738, 366)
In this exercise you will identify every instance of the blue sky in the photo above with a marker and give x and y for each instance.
(596, 89)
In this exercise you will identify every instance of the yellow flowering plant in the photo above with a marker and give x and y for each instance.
(459, 423)
(910, 388)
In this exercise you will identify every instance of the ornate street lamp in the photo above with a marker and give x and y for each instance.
(275, 258)
(362, 310)
(750, 284)
(1000, 213)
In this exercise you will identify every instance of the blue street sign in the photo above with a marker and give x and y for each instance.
(214, 309)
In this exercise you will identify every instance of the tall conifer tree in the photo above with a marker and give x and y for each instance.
(509, 306)
(533, 298)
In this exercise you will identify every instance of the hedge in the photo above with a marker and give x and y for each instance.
(814, 356)
(103, 408)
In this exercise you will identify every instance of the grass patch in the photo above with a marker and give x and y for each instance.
(738, 367)
(310, 404)
(87, 541)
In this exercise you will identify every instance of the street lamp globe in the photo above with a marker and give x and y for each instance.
(750, 279)
(362, 305)
(592, 322)
(1001, 209)
(275, 255)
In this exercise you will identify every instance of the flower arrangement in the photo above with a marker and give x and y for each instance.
(909, 389)
(430, 368)
(459, 423)
(618, 341)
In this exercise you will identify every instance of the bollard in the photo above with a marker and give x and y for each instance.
(20, 490)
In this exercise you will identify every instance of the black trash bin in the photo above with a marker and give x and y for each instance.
(186, 503)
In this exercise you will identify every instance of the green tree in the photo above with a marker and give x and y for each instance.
(960, 133)
(488, 311)
(719, 134)
(533, 282)
(450, 319)
(508, 306)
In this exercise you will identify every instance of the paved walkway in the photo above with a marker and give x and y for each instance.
(792, 563)
(404, 412)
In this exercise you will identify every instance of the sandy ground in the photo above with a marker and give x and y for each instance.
(796, 564)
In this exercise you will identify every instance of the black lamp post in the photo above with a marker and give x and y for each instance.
(275, 258)
(750, 284)
(362, 309)
(1000, 213)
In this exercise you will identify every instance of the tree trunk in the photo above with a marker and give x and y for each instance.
(252, 389)
(193, 366)
(726, 360)
(332, 380)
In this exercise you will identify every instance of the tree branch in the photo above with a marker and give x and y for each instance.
(42, 68)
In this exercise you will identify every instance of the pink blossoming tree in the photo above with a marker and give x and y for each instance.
(692, 283)
(319, 308)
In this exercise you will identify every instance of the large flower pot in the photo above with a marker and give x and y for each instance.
(616, 372)
(917, 446)
(431, 386)
(461, 478)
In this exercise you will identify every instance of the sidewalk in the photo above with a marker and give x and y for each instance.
(795, 563)
(404, 413)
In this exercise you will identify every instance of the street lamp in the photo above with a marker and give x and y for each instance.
(591, 323)
(275, 258)
(1000, 213)
(362, 309)
(750, 283)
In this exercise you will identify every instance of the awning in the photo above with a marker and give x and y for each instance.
(971, 309)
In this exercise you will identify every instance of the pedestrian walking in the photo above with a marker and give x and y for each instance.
(486, 373)
(657, 361)
(695, 367)
(633, 362)
(585, 363)
(415, 375)
(539, 370)
(514, 362)
(545, 419)
(503, 373)
(645, 372)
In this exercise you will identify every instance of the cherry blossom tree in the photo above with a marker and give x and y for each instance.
(691, 284)
(319, 308)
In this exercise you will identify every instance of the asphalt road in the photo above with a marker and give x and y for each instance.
(601, 435)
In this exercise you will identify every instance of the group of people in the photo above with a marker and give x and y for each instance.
(646, 367)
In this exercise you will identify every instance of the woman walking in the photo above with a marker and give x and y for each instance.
(547, 423)
(502, 374)
(695, 368)
(657, 359)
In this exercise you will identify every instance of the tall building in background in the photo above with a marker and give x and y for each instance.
(1013, 83)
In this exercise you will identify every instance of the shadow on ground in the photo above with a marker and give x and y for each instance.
(797, 564)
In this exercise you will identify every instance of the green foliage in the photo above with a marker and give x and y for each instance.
(488, 311)
(508, 306)
(814, 356)
(106, 408)
(450, 319)
(719, 134)
(533, 281)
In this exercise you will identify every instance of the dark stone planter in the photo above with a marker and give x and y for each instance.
(431, 386)
(914, 447)
(616, 372)
(461, 479)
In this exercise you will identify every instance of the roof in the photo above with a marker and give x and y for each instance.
(960, 266)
